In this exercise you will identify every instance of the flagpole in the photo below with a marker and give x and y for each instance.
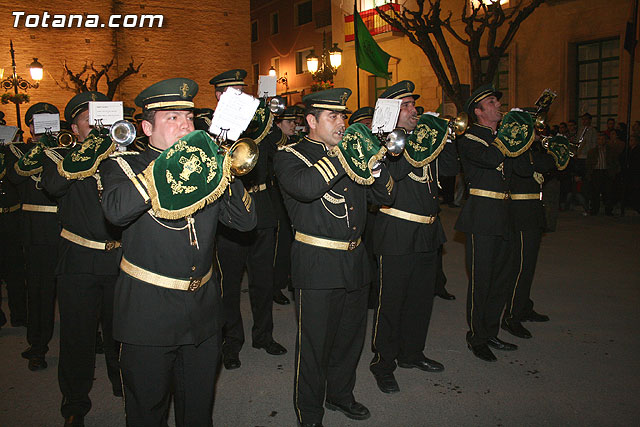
(355, 44)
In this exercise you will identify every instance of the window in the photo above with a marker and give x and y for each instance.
(372, 4)
(254, 31)
(501, 79)
(303, 13)
(256, 73)
(275, 63)
(274, 23)
(377, 85)
(301, 60)
(477, 3)
(598, 66)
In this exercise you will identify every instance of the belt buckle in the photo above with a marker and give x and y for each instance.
(352, 245)
(111, 245)
(4, 210)
(194, 285)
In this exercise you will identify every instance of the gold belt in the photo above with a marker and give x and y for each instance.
(526, 196)
(489, 194)
(39, 208)
(327, 243)
(190, 285)
(257, 188)
(422, 219)
(10, 209)
(92, 244)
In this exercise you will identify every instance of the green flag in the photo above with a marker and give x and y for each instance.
(369, 56)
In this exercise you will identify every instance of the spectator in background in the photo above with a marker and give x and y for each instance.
(621, 129)
(632, 174)
(602, 167)
(563, 129)
(611, 125)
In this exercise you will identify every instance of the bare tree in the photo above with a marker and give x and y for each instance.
(426, 28)
(89, 76)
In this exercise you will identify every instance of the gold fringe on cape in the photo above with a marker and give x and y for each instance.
(432, 157)
(508, 153)
(87, 172)
(160, 212)
(355, 177)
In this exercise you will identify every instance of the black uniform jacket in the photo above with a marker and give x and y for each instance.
(261, 175)
(528, 214)
(79, 212)
(10, 222)
(334, 209)
(146, 314)
(417, 193)
(39, 228)
(485, 168)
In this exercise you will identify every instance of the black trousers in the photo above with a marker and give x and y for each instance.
(519, 302)
(488, 263)
(441, 278)
(12, 269)
(282, 257)
(601, 184)
(41, 293)
(253, 250)
(151, 374)
(82, 298)
(405, 300)
(331, 329)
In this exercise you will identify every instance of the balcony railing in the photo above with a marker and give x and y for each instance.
(375, 24)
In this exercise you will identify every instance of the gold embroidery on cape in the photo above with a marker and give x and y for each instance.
(423, 133)
(190, 165)
(513, 130)
(80, 156)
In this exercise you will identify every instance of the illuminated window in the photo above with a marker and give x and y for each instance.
(598, 65)
(301, 60)
(275, 63)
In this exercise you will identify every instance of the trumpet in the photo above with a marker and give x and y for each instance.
(243, 154)
(458, 124)
(277, 105)
(123, 133)
(394, 141)
(66, 139)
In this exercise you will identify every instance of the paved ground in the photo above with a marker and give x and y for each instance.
(582, 368)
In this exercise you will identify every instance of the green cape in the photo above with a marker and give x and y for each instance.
(83, 159)
(515, 133)
(31, 162)
(358, 152)
(427, 140)
(558, 147)
(187, 176)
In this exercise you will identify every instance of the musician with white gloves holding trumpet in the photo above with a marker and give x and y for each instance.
(168, 310)
(329, 265)
(407, 236)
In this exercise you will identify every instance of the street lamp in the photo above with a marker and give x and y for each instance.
(272, 71)
(16, 82)
(323, 68)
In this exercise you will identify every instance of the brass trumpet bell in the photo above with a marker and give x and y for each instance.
(460, 123)
(122, 133)
(244, 156)
(540, 122)
(277, 105)
(66, 139)
(395, 141)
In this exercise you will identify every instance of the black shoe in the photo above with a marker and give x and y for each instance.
(498, 344)
(37, 363)
(387, 383)
(483, 352)
(353, 410)
(423, 364)
(28, 353)
(117, 390)
(280, 298)
(272, 348)
(74, 421)
(445, 295)
(535, 317)
(515, 328)
(231, 360)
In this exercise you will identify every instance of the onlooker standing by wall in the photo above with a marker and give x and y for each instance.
(602, 167)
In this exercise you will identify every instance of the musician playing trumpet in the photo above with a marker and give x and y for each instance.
(168, 311)
(407, 236)
(329, 266)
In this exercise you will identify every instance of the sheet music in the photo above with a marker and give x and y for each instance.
(43, 122)
(233, 113)
(107, 111)
(267, 86)
(7, 134)
(385, 116)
